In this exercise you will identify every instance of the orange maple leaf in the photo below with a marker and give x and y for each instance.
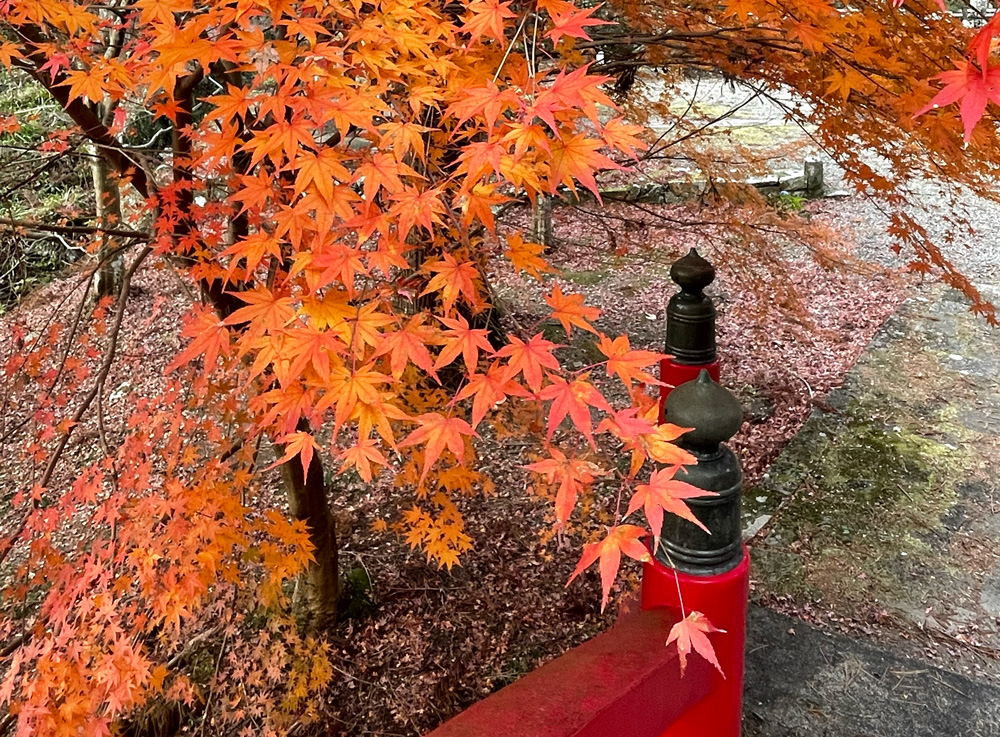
(627, 363)
(453, 279)
(462, 340)
(265, 311)
(408, 345)
(486, 18)
(529, 358)
(569, 310)
(572, 23)
(348, 389)
(621, 136)
(298, 443)
(572, 474)
(210, 338)
(439, 432)
(691, 634)
(660, 448)
(662, 494)
(626, 425)
(322, 170)
(620, 539)
(526, 256)
(361, 457)
(488, 390)
(575, 159)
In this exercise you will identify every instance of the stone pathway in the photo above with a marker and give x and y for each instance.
(881, 521)
(806, 682)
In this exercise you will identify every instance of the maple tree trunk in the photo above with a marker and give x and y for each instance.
(541, 221)
(318, 588)
(107, 280)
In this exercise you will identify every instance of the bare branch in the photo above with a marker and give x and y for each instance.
(76, 229)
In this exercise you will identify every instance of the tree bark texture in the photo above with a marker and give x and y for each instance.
(319, 587)
(107, 280)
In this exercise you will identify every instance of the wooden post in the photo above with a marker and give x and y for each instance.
(814, 178)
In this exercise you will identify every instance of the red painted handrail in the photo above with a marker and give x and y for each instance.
(723, 599)
(624, 682)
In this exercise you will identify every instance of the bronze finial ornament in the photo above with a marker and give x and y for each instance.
(690, 313)
(715, 415)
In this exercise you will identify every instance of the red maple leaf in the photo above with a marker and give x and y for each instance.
(572, 23)
(691, 634)
(974, 87)
(574, 398)
(620, 539)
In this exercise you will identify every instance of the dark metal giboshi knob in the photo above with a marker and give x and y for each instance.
(715, 415)
(690, 313)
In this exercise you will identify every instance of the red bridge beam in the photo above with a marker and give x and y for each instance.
(622, 683)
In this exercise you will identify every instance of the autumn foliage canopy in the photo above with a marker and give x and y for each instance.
(332, 185)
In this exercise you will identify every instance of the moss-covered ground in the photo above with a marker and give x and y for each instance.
(882, 515)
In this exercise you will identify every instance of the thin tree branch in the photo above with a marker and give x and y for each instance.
(8, 544)
(76, 229)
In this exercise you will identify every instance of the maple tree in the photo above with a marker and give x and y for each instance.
(331, 186)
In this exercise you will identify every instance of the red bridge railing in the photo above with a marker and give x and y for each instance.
(626, 682)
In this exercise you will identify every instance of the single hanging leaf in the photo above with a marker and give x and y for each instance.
(573, 22)
(576, 159)
(486, 18)
(527, 256)
(691, 634)
(660, 447)
(488, 390)
(462, 340)
(361, 457)
(453, 279)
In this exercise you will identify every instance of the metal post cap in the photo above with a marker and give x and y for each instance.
(691, 313)
(712, 410)
(715, 415)
(692, 273)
